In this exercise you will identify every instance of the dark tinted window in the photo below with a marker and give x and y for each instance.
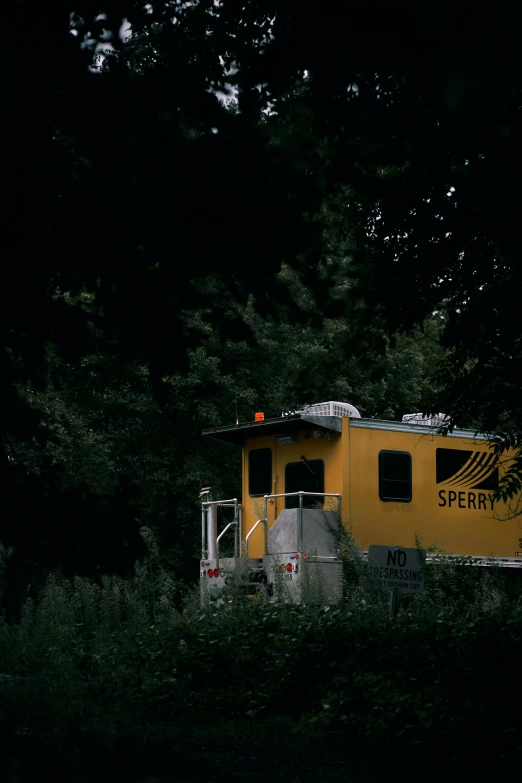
(477, 468)
(395, 476)
(304, 476)
(260, 472)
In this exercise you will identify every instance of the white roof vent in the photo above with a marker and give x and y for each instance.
(332, 409)
(426, 421)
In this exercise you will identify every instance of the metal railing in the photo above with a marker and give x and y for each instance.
(264, 521)
(209, 535)
(301, 495)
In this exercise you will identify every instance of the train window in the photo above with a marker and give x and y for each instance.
(260, 472)
(395, 476)
(305, 476)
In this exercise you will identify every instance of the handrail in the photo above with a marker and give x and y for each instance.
(210, 539)
(302, 492)
(203, 531)
(209, 536)
(223, 533)
(259, 521)
(229, 502)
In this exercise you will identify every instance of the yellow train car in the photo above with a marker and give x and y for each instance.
(394, 482)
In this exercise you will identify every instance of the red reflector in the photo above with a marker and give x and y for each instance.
(297, 557)
(210, 572)
(216, 571)
(202, 564)
(289, 567)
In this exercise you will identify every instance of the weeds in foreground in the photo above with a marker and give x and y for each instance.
(117, 657)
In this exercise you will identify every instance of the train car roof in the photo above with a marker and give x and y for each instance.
(282, 425)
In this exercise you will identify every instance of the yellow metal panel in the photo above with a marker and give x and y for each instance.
(329, 449)
(453, 514)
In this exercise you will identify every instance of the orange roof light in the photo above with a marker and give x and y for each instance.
(259, 416)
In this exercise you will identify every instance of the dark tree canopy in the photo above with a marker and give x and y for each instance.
(354, 198)
(138, 180)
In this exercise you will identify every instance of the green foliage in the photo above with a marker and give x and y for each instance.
(116, 657)
(356, 241)
(330, 247)
(113, 447)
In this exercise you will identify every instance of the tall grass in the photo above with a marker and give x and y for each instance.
(117, 657)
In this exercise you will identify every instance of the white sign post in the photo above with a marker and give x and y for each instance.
(398, 570)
